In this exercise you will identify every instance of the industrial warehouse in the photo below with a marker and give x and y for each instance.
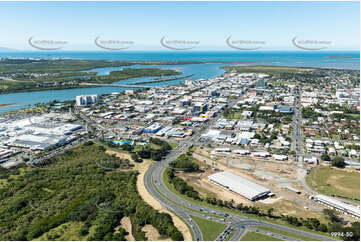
(338, 205)
(239, 185)
(39, 132)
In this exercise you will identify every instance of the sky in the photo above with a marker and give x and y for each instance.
(206, 25)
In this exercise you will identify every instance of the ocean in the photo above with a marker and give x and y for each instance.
(288, 58)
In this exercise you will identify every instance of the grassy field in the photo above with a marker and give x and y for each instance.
(209, 229)
(284, 206)
(173, 144)
(296, 236)
(253, 236)
(328, 181)
(154, 146)
(235, 115)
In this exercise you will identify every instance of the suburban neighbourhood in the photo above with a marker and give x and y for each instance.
(244, 141)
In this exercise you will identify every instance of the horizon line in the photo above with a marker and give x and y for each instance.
(178, 51)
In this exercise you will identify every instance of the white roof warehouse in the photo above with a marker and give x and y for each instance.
(338, 205)
(237, 184)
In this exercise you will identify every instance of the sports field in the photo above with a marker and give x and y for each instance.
(329, 181)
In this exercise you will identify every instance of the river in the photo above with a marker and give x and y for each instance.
(26, 99)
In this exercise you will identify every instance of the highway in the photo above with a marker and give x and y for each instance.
(183, 208)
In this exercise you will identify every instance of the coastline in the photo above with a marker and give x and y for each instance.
(68, 93)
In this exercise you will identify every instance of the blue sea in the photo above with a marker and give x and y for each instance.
(288, 58)
(320, 59)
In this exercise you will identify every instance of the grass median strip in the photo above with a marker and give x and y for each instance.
(171, 188)
(253, 236)
(296, 236)
(210, 230)
(229, 237)
(190, 230)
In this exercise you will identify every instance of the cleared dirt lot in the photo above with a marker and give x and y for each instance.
(126, 224)
(120, 155)
(261, 169)
(273, 175)
(152, 234)
(206, 188)
(270, 175)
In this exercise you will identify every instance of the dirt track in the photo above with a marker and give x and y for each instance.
(127, 225)
(152, 234)
(143, 192)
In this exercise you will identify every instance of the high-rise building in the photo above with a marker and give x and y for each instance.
(86, 100)
(188, 82)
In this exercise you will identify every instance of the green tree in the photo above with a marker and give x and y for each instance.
(126, 147)
(270, 212)
(330, 213)
(257, 136)
(136, 158)
(177, 236)
(338, 162)
(325, 157)
(26, 159)
(156, 155)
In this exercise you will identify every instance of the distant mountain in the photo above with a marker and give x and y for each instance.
(3, 49)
